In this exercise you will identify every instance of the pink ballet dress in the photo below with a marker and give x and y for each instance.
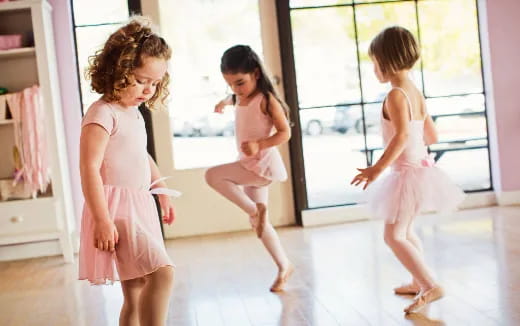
(252, 124)
(126, 175)
(414, 183)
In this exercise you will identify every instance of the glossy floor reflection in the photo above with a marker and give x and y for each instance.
(345, 275)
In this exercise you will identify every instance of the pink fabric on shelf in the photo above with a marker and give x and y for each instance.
(30, 139)
(8, 42)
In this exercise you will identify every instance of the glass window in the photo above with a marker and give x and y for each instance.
(326, 70)
(332, 149)
(340, 99)
(450, 47)
(90, 39)
(94, 21)
(92, 12)
(203, 138)
(370, 1)
(312, 3)
(370, 20)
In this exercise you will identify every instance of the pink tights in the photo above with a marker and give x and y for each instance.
(245, 189)
(407, 247)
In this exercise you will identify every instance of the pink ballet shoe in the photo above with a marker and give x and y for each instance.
(424, 298)
(421, 319)
(282, 278)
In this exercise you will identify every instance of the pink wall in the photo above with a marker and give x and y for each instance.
(70, 99)
(503, 42)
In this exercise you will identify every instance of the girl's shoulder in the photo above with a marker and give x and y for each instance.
(270, 99)
(409, 99)
(397, 92)
(101, 113)
(264, 101)
(100, 106)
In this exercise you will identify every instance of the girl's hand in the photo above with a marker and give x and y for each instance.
(167, 209)
(366, 176)
(219, 108)
(250, 148)
(105, 235)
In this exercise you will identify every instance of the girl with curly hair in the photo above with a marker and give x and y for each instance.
(120, 232)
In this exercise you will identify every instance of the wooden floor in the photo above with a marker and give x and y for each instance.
(345, 275)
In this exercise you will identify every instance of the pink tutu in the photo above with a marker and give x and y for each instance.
(411, 189)
(414, 184)
(267, 163)
(140, 250)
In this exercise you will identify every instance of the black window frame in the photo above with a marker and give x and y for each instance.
(287, 53)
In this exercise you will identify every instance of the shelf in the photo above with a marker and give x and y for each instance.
(27, 201)
(6, 122)
(28, 227)
(13, 53)
(21, 4)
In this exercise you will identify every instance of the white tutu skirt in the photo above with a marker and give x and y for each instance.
(411, 189)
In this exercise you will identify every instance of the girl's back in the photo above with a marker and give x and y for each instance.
(415, 149)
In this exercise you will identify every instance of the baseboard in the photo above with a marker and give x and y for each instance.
(334, 215)
(508, 198)
(30, 250)
(343, 214)
(479, 199)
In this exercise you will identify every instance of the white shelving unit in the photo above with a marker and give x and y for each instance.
(6, 122)
(34, 223)
(6, 54)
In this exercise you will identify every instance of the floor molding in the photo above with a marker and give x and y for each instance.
(344, 214)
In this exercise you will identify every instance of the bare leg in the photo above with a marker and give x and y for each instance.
(131, 292)
(155, 297)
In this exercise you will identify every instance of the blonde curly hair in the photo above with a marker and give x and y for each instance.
(111, 68)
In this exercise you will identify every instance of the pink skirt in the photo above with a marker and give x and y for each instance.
(140, 250)
(411, 189)
(267, 163)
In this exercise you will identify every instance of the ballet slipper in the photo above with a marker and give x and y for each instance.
(424, 298)
(282, 278)
(407, 289)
